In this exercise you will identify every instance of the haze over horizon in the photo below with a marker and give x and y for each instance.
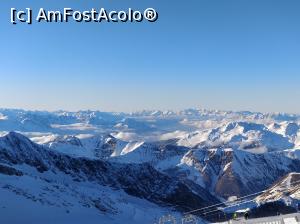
(144, 110)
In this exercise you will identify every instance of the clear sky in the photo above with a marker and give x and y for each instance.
(217, 54)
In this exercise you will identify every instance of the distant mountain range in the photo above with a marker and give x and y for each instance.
(110, 167)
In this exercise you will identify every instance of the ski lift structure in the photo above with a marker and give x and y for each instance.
(169, 219)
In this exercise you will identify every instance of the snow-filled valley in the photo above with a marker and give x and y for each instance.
(99, 167)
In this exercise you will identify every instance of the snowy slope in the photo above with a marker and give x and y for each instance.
(89, 146)
(286, 189)
(35, 200)
(32, 174)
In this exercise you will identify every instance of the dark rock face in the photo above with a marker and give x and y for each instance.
(237, 173)
(10, 171)
(292, 129)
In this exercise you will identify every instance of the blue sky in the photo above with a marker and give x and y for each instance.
(233, 55)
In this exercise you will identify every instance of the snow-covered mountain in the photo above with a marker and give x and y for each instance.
(240, 135)
(67, 184)
(139, 166)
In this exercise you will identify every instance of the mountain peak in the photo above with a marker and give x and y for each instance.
(15, 137)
